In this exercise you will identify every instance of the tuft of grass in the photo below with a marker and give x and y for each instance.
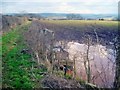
(68, 76)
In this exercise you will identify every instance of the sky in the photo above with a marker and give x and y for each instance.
(60, 6)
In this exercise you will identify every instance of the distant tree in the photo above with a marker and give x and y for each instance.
(101, 19)
(74, 16)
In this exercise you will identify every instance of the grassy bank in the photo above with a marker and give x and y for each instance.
(17, 68)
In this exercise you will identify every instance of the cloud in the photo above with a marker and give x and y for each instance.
(60, 6)
(90, 1)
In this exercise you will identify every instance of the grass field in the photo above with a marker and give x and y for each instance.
(82, 22)
(77, 29)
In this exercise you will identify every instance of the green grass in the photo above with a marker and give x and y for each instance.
(16, 66)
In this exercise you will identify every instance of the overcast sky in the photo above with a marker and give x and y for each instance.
(60, 6)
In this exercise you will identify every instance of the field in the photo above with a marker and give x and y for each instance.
(83, 22)
(77, 29)
(23, 70)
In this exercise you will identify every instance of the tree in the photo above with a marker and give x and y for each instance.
(41, 41)
(117, 73)
(99, 72)
(87, 59)
(74, 64)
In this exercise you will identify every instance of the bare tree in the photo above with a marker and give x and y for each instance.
(117, 73)
(41, 41)
(87, 59)
(110, 62)
(74, 64)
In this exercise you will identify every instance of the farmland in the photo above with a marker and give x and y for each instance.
(77, 29)
(83, 22)
(41, 37)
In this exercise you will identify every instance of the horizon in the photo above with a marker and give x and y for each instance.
(61, 13)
